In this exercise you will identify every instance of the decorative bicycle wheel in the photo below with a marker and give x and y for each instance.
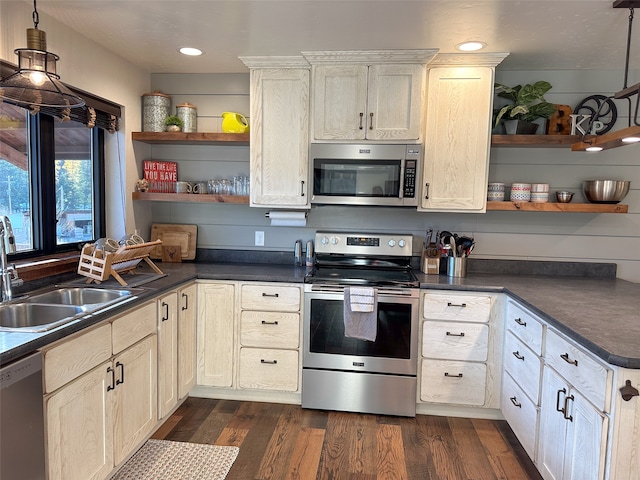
(601, 109)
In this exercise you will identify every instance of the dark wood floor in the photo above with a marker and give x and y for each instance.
(286, 442)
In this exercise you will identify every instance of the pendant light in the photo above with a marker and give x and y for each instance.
(631, 134)
(36, 83)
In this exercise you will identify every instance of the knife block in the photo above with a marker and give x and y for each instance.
(429, 265)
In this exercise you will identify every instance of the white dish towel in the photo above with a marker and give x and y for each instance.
(361, 313)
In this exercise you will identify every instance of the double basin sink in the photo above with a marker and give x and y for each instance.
(50, 309)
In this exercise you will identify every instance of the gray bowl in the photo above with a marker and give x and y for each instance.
(564, 196)
(605, 191)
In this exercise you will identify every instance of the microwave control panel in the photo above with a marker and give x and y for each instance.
(409, 190)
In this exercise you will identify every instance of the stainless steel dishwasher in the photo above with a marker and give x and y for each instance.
(22, 454)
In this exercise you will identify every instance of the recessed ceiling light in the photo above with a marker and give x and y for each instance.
(471, 46)
(190, 51)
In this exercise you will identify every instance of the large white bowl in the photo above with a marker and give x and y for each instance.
(605, 191)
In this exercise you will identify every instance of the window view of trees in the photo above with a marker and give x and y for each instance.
(73, 184)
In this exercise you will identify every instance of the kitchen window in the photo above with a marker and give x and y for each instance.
(51, 180)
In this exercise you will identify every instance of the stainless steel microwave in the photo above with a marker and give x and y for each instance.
(361, 174)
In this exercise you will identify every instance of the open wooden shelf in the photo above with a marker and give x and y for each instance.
(189, 198)
(191, 138)
(558, 207)
(546, 141)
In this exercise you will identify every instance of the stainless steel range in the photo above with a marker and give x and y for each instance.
(360, 331)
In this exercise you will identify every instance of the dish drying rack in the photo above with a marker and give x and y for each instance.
(98, 265)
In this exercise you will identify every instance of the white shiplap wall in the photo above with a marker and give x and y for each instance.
(503, 235)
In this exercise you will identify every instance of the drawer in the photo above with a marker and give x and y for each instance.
(525, 326)
(521, 414)
(455, 341)
(272, 297)
(524, 365)
(133, 326)
(460, 383)
(270, 329)
(580, 369)
(74, 357)
(461, 308)
(269, 369)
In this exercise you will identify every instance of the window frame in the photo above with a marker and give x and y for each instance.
(41, 144)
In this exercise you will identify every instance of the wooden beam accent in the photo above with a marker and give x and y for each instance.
(14, 157)
(608, 140)
(558, 207)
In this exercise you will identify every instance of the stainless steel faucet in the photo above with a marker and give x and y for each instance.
(8, 273)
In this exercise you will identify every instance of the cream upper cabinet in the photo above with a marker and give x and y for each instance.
(458, 132)
(279, 153)
(360, 102)
(368, 95)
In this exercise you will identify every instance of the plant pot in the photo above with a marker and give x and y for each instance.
(519, 127)
(173, 128)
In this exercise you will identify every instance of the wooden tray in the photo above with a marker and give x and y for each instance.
(98, 266)
(174, 234)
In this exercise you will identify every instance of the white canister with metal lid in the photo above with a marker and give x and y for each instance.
(189, 116)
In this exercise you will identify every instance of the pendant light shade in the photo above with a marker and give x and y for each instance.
(36, 82)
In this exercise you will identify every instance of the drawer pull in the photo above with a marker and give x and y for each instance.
(446, 374)
(275, 295)
(561, 391)
(515, 402)
(165, 317)
(264, 322)
(520, 322)
(268, 362)
(121, 380)
(518, 355)
(461, 334)
(461, 305)
(565, 357)
(566, 408)
(360, 126)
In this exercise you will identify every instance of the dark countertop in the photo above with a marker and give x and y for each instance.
(603, 315)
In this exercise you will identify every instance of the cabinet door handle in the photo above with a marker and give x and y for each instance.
(186, 302)
(426, 191)
(518, 355)
(275, 295)
(113, 379)
(165, 317)
(566, 408)
(565, 357)
(268, 362)
(461, 305)
(561, 410)
(121, 380)
(371, 124)
(515, 402)
(302, 188)
(361, 117)
(446, 374)
(264, 322)
(449, 334)
(520, 322)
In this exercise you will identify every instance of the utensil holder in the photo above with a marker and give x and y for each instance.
(457, 266)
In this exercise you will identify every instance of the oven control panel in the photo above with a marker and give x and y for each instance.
(400, 244)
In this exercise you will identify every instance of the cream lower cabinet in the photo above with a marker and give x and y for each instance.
(458, 132)
(269, 337)
(279, 154)
(176, 347)
(460, 349)
(576, 396)
(100, 395)
(522, 375)
(216, 330)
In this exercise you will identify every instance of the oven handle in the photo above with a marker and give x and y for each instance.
(398, 292)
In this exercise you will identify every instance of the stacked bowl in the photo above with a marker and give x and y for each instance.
(520, 192)
(495, 192)
(540, 192)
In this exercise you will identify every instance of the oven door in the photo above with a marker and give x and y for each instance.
(393, 352)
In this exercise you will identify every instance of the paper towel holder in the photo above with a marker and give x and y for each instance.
(268, 214)
(287, 218)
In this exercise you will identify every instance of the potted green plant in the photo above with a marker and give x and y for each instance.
(528, 104)
(174, 123)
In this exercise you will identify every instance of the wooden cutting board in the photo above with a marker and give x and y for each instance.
(173, 234)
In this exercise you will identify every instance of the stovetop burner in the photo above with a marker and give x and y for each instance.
(363, 259)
